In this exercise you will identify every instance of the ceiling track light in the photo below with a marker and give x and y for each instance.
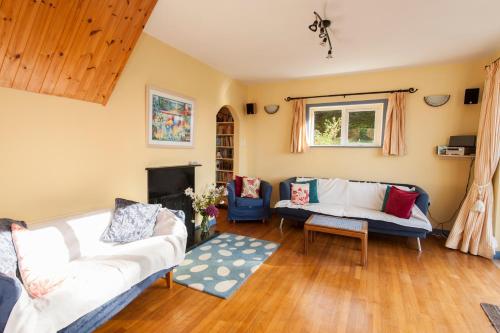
(323, 26)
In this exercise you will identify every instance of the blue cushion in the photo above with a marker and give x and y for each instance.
(313, 190)
(249, 202)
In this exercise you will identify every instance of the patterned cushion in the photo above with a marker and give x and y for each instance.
(131, 221)
(300, 193)
(8, 257)
(251, 188)
(313, 189)
(40, 272)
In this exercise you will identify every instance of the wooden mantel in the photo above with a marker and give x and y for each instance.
(70, 48)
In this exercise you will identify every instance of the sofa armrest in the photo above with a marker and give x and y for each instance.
(285, 188)
(231, 194)
(10, 292)
(266, 191)
(422, 201)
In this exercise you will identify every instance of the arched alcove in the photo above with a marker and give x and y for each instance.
(225, 146)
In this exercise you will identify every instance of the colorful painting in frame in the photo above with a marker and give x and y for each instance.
(170, 119)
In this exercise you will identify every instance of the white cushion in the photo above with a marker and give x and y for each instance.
(165, 222)
(42, 268)
(333, 191)
(366, 195)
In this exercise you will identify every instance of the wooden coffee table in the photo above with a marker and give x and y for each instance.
(337, 226)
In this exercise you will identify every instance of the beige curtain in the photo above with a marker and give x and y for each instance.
(394, 134)
(298, 142)
(473, 228)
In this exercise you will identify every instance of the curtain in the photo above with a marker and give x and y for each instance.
(473, 228)
(394, 134)
(298, 142)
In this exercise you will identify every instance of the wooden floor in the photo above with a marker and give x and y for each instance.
(400, 290)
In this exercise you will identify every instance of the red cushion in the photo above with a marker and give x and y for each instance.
(238, 185)
(400, 202)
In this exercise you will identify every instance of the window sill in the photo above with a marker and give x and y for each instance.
(345, 146)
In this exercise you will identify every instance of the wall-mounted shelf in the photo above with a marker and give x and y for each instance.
(456, 156)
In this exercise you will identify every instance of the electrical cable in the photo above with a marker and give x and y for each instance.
(441, 223)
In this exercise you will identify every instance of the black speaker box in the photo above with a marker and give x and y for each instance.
(471, 96)
(251, 108)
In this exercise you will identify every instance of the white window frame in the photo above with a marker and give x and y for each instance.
(379, 106)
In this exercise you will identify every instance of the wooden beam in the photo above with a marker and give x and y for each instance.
(71, 48)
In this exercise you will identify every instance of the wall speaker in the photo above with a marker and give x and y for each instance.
(471, 96)
(251, 108)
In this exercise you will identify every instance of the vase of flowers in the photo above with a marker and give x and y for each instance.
(205, 203)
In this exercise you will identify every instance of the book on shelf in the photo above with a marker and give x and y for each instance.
(224, 141)
(225, 129)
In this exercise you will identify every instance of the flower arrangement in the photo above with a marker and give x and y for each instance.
(204, 204)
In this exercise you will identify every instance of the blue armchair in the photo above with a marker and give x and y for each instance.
(244, 209)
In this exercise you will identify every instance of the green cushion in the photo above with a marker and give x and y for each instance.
(386, 197)
(313, 190)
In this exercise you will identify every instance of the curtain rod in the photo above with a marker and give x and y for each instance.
(492, 62)
(409, 90)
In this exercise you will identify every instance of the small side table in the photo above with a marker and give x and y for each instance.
(337, 226)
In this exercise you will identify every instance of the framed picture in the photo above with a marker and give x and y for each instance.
(170, 119)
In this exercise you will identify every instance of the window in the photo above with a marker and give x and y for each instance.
(346, 124)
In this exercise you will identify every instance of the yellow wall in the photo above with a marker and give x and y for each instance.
(427, 127)
(63, 156)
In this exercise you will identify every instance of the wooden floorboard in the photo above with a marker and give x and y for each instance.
(399, 290)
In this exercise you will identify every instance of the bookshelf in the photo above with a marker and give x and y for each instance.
(224, 155)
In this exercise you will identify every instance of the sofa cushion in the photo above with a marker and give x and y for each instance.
(131, 222)
(300, 193)
(400, 203)
(238, 185)
(249, 202)
(40, 272)
(313, 189)
(333, 191)
(251, 187)
(8, 257)
(166, 220)
(386, 197)
(366, 195)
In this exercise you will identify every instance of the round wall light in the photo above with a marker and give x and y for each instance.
(436, 100)
(271, 108)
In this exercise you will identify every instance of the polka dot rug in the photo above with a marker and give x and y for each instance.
(220, 266)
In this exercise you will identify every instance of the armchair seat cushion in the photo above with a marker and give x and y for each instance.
(249, 202)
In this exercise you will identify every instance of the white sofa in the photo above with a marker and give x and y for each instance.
(98, 273)
(359, 200)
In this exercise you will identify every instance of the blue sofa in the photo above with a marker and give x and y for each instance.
(375, 226)
(246, 209)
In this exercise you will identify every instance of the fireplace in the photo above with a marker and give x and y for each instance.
(166, 186)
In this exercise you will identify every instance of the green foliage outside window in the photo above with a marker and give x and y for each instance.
(327, 127)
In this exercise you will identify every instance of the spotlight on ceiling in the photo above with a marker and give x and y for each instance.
(323, 32)
(314, 27)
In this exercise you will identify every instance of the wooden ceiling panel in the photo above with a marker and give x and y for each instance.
(71, 48)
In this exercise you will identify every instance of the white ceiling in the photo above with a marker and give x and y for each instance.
(256, 40)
